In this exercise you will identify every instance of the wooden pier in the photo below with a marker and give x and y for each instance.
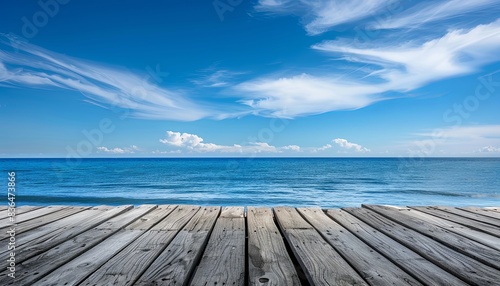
(224, 246)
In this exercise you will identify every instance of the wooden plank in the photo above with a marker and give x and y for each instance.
(488, 228)
(38, 240)
(176, 263)
(20, 218)
(481, 211)
(372, 266)
(493, 209)
(425, 271)
(19, 210)
(38, 266)
(321, 263)
(460, 265)
(233, 212)
(481, 218)
(76, 270)
(268, 260)
(223, 262)
(459, 243)
(478, 236)
(128, 265)
(43, 220)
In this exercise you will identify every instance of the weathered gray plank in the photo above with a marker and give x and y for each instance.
(43, 220)
(176, 263)
(223, 262)
(493, 209)
(60, 254)
(481, 211)
(480, 252)
(460, 265)
(18, 210)
(268, 260)
(478, 236)
(321, 263)
(22, 217)
(372, 266)
(76, 270)
(422, 269)
(126, 267)
(69, 226)
(470, 215)
(488, 228)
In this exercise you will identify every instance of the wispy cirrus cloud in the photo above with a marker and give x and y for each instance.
(216, 78)
(320, 16)
(24, 64)
(394, 67)
(427, 12)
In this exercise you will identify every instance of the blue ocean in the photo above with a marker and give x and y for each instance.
(324, 182)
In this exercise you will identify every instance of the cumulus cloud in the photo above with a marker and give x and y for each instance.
(322, 148)
(292, 147)
(194, 143)
(118, 150)
(343, 143)
(320, 16)
(28, 65)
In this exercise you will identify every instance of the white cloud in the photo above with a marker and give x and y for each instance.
(194, 143)
(432, 11)
(321, 15)
(394, 68)
(323, 148)
(32, 66)
(292, 148)
(408, 66)
(305, 94)
(343, 143)
(117, 150)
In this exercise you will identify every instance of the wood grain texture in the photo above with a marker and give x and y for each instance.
(472, 234)
(43, 220)
(481, 211)
(321, 263)
(128, 265)
(460, 265)
(425, 271)
(225, 250)
(176, 263)
(268, 260)
(372, 266)
(64, 252)
(474, 224)
(470, 215)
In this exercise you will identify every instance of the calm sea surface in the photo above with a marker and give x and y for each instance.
(325, 182)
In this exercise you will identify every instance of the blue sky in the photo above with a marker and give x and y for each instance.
(249, 78)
